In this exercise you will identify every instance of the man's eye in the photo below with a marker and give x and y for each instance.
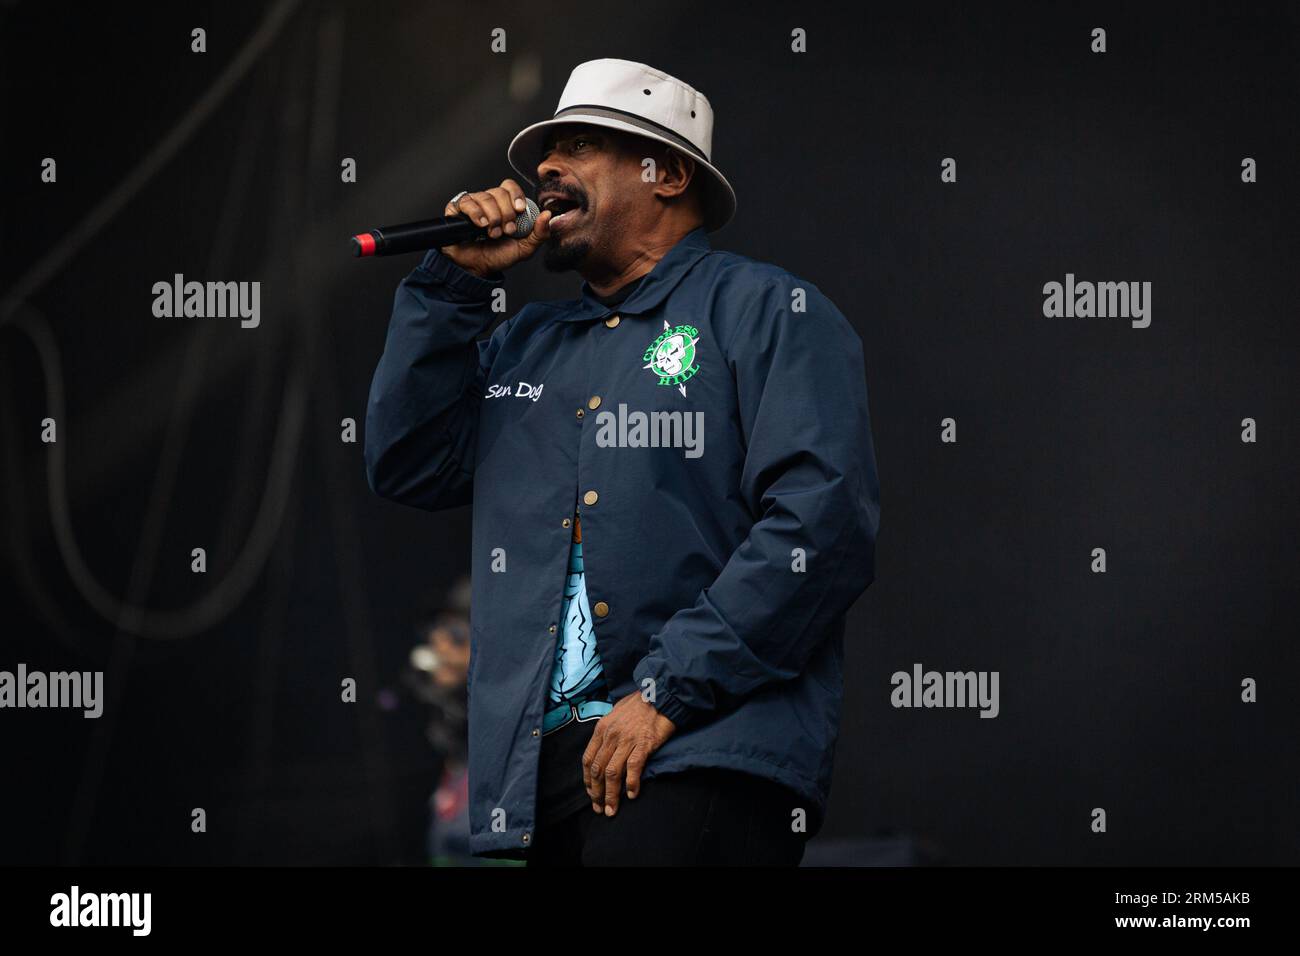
(579, 143)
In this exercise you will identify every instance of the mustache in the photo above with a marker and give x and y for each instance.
(555, 186)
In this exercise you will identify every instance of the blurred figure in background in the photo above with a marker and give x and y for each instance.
(438, 677)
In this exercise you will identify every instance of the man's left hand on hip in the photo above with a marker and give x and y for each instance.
(621, 744)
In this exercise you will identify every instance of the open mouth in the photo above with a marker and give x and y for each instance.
(562, 208)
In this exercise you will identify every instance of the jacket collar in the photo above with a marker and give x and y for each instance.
(655, 287)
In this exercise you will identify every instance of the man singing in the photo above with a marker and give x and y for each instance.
(674, 493)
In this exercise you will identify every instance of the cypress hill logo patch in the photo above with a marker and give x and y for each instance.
(672, 355)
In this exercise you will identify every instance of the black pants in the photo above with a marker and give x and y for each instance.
(698, 817)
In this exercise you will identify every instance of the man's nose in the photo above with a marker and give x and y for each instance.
(551, 167)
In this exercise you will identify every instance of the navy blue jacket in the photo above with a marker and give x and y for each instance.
(712, 430)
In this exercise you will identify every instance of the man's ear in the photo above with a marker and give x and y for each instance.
(675, 174)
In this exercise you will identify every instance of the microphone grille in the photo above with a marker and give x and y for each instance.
(525, 221)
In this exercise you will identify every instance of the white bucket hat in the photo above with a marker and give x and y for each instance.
(639, 99)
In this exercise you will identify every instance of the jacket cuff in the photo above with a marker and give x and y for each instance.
(465, 284)
(672, 708)
(665, 701)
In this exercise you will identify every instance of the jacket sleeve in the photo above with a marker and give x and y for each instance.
(809, 478)
(422, 415)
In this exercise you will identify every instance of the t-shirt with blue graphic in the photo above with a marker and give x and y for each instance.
(577, 678)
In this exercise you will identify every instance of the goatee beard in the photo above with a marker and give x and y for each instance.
(562, 258)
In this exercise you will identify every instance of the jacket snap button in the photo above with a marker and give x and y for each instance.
(601, 609)
(581, 412)
(534, 731)
(590, 498)
(525, 837)
(612, 321)
(551, 628)
(593, 402)
(565, 523)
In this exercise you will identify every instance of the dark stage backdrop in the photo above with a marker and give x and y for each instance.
(1120, 690)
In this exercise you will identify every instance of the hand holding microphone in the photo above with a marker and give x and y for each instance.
(499, 211)
(484, 232)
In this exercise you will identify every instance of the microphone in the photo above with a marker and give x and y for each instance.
(433, 234)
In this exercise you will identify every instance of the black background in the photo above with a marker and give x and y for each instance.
(1119, 691)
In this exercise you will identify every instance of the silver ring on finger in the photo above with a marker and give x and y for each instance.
(455, 200)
